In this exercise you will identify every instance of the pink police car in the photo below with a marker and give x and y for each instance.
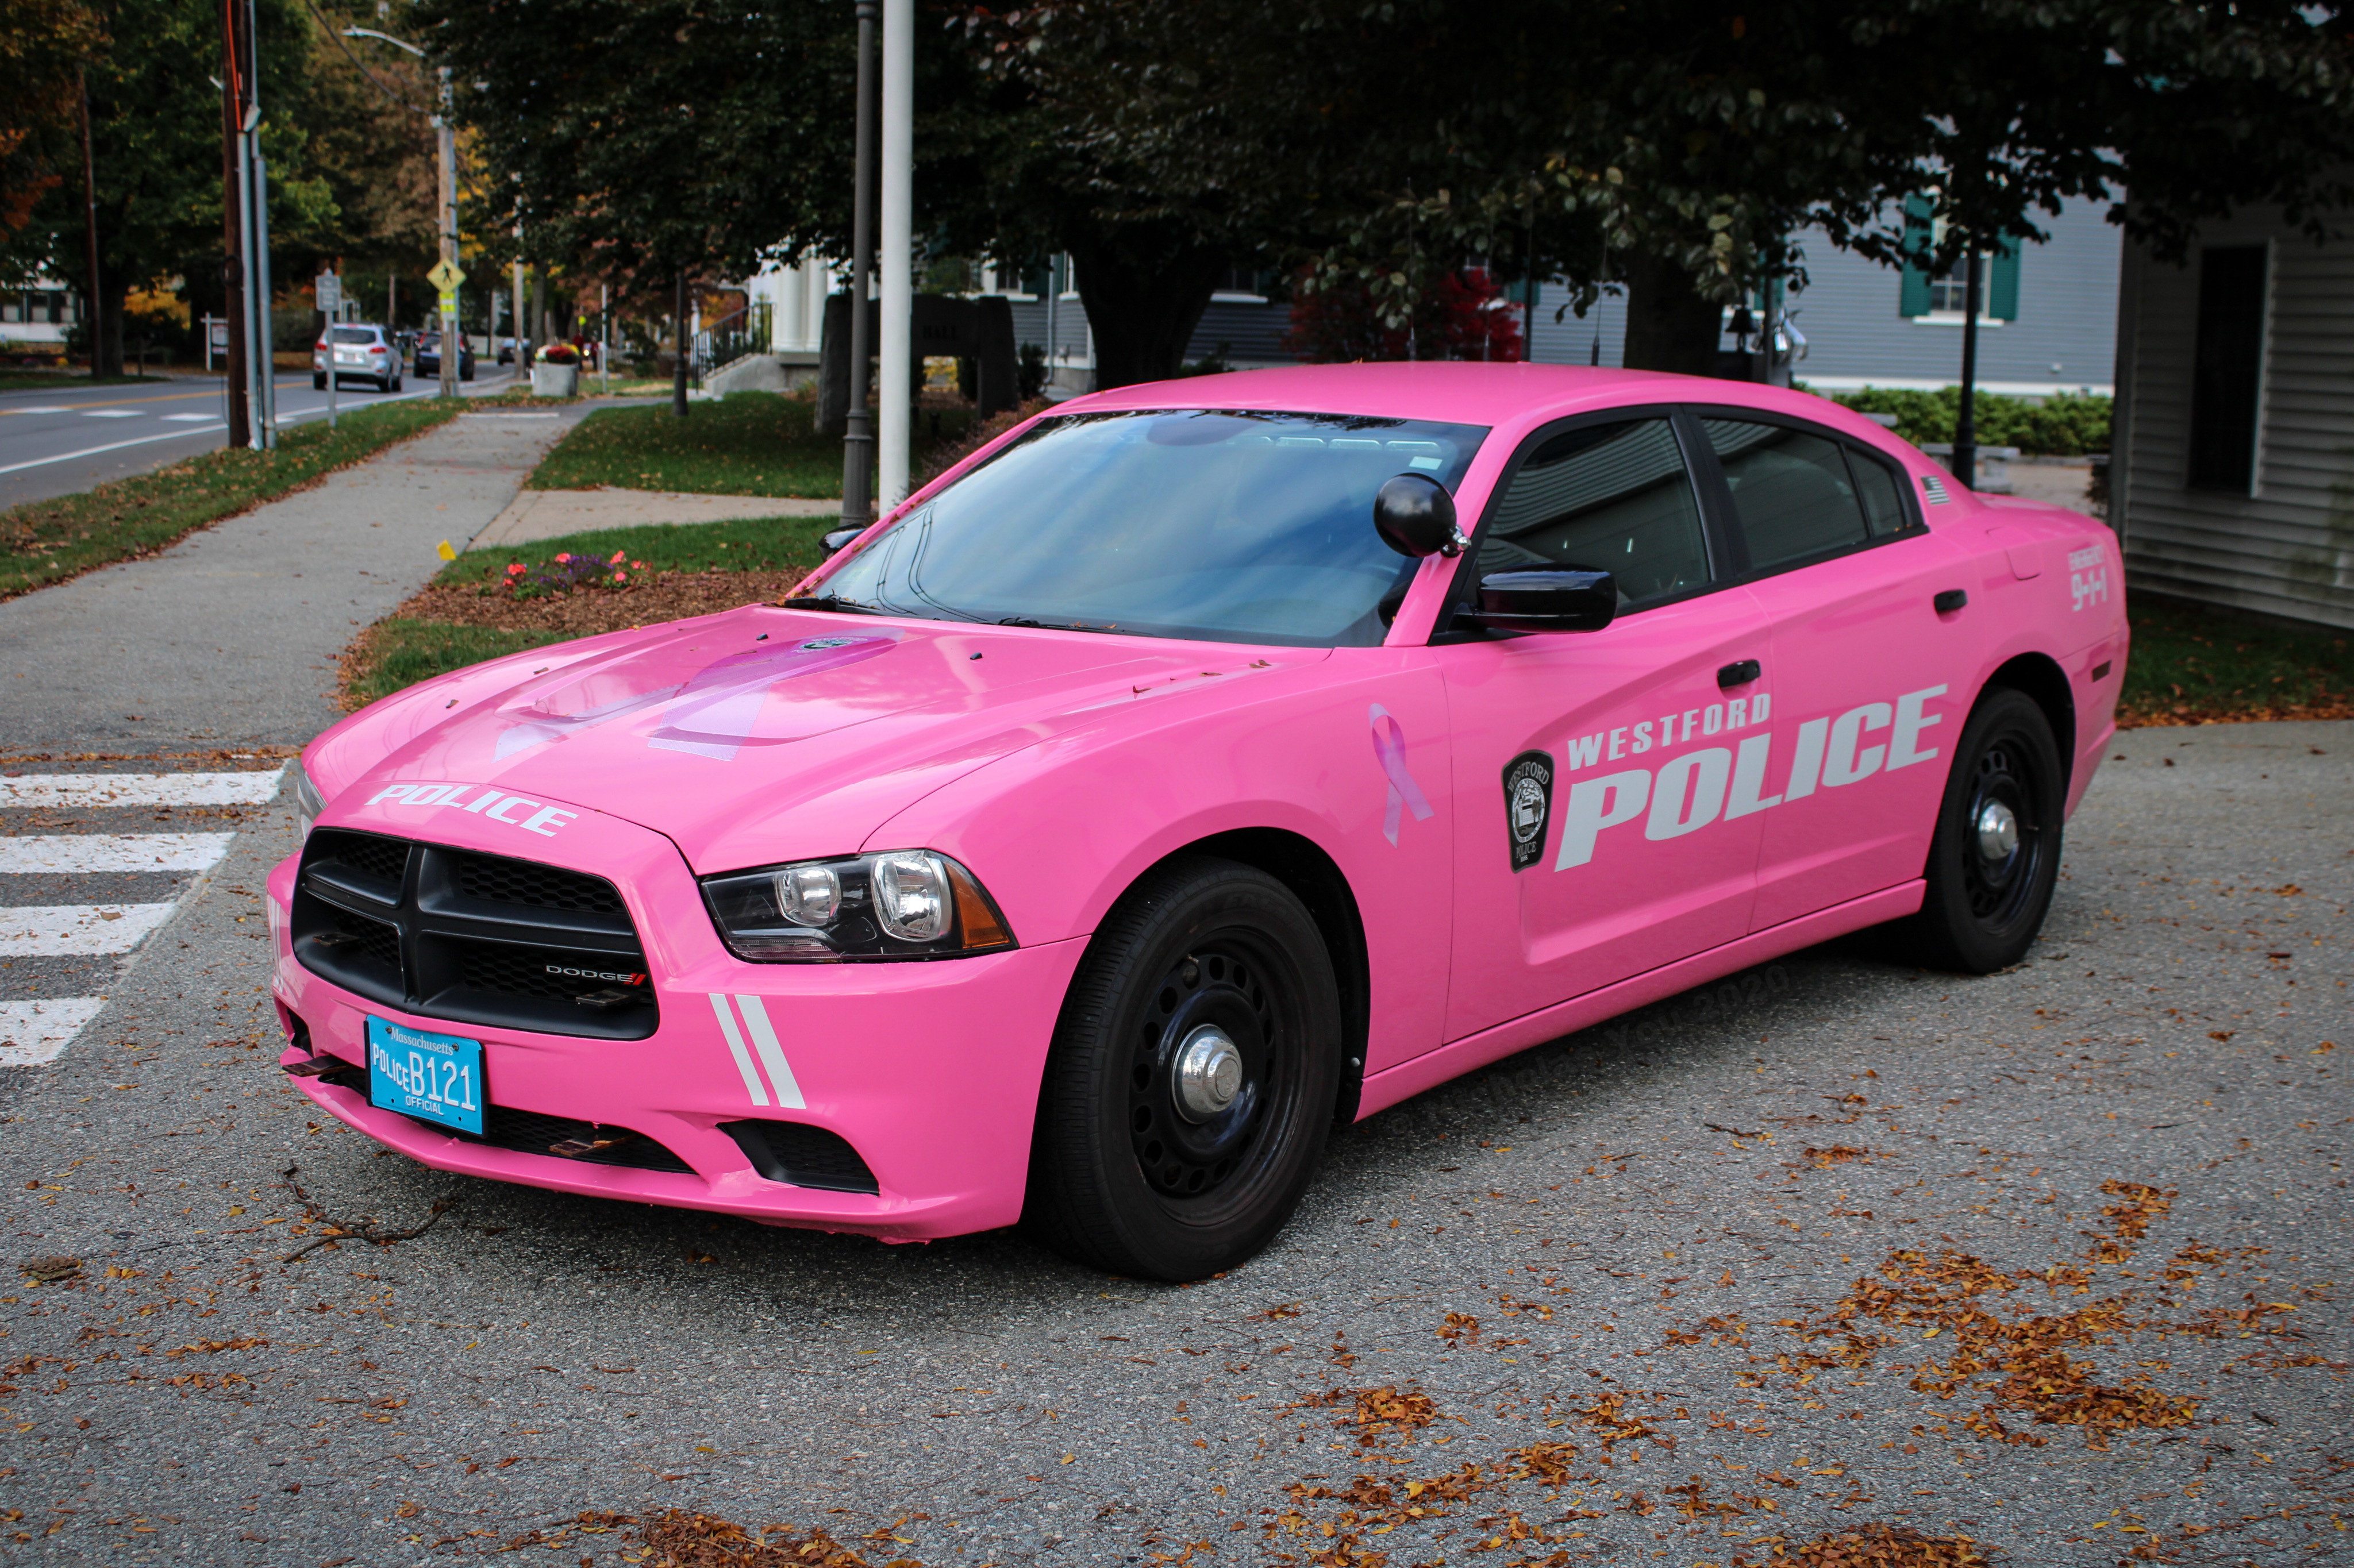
(1198, 765)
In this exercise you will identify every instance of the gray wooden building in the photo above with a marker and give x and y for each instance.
(2232, 475)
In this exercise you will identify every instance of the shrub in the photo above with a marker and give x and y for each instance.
(2067, 424)
(1458, 317)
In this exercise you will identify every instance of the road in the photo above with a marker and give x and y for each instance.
(58, 442)
(2053, 1259)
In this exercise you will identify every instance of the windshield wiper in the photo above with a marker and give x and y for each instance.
(1052, 625)
(834, 602)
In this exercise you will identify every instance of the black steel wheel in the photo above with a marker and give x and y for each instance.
(1191, 1078)
(1994, 859)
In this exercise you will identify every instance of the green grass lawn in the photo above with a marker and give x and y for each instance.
(44, 542)
(745, 544)
(2190, 665)
(748, 443)
(402, 651)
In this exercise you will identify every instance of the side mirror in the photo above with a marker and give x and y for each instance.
(834, 541)
(1545, 601)
(1416, 516)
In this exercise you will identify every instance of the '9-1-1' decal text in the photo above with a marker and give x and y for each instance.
(1721, 782)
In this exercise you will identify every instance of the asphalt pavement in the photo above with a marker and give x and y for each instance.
(74, 437)
(2047, 1259)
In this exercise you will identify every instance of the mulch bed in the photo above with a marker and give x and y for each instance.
(584, 612)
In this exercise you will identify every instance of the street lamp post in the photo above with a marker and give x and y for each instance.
(447, 145)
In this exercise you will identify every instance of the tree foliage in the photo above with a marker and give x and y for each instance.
(43, 45)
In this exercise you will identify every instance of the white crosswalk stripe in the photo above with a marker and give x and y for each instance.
(140, 789)
(45, 930)
(32, 1033)
(38, 1031)
(88, 852)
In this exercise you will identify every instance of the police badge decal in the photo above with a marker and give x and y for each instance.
(1528, 805)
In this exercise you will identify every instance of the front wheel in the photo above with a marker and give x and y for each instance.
(1993, 858)
(1191, 1078)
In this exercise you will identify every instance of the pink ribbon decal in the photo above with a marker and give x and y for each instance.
(1389, 751)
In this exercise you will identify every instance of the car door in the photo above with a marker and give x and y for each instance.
(1871, 681)
(1597, 835)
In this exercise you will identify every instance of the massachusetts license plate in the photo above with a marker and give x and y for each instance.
(433, 1077)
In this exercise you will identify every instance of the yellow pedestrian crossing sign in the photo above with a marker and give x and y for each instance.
(446, 276)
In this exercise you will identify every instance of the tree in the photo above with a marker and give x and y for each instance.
(1675, 149)
(43, 45)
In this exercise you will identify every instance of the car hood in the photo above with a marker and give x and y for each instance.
(764, 733)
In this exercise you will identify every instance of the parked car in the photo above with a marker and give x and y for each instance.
(506, 351)
(1198, 764)
(363, 351)
(429, 356)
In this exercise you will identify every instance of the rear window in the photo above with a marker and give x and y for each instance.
(354, 334)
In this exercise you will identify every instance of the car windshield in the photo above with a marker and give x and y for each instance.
(1232, 527)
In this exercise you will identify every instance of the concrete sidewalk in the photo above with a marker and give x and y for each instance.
(229, 638)
(550, 513)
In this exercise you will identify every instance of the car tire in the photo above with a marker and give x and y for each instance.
(318, 384)
(1130, 1170)
(466, 372)
(395, 385)
(1994, 856)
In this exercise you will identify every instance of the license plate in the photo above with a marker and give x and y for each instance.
(349, 356)
(433, 1077)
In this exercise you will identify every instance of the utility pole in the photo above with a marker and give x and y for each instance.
(898, 333)
(452, 346)
(858, 442)
(1966, 435)
(89, 209)
(240, 431)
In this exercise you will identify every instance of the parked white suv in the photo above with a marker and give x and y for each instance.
(362, 353)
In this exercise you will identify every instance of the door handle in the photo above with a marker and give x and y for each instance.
(1950, 601)
(1739, 674)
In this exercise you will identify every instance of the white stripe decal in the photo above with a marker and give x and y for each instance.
(773, 1056)
(735, 1045)
(33, 1033)
(111, 852)
(43, 930)
(142, 789)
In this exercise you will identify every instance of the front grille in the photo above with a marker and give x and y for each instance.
(805, 1156)
(495, 879)
(471, 938)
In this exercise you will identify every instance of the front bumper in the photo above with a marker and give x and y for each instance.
(929, 1070)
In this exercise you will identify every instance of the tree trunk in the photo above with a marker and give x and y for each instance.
(1669, 326)
(106, 333)
(1144, 295)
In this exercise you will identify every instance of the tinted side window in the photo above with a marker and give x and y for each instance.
(1608, 498)
(1883, 504)
(1791, 492)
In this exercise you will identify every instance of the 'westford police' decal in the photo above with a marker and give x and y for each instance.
(1528, 805)
(1692, 790)
(491, 804)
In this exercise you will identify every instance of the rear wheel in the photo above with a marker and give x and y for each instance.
(1191, 1078)
(1994, 859)
(318, 384)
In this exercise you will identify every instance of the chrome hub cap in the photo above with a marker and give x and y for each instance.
(1209, 1073)
(1998, 830)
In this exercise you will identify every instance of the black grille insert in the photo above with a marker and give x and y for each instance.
(497, 880)
(528, 1132)
(471, 938)
(803, 1155)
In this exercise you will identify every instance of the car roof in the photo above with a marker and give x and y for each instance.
(1463, 392)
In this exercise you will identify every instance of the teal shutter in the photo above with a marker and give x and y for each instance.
(2002, 286)
(1914, 296)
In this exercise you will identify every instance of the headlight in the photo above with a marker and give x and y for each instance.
(308, 803)
(902, 903)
